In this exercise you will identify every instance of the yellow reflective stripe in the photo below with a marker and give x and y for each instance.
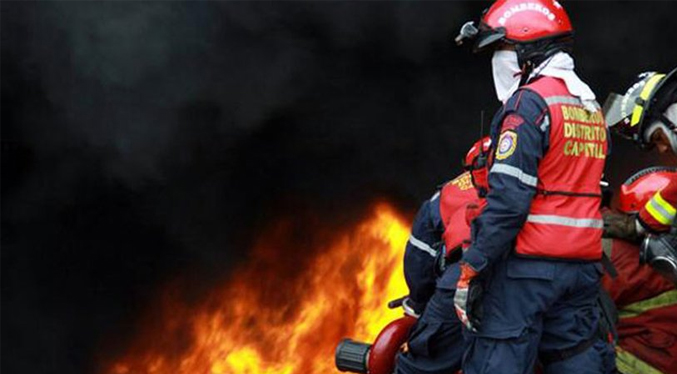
(637, 111)
(655, 213)
(664, 204)
(633, 310)
(627, 363)
(660, 209)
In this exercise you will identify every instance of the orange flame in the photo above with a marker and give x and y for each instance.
(260, 322)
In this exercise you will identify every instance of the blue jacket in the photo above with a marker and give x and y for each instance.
(511, 177)
(421, 252)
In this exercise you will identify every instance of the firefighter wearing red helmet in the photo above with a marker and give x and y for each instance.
(647, 114)
(475, 162)
(646, 301)
(530, 279)
(643, 196)
(436, 343)
(439, 232)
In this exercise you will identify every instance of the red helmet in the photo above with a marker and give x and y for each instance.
(639, 188)
(537, 28)
(475, 162)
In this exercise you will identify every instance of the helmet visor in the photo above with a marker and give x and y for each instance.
(613, 109)
(488, 38)
(617, 110)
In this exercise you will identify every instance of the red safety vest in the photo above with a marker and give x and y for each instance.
(454, 198)
(564, 220)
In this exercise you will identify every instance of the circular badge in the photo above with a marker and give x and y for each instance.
(506, 145)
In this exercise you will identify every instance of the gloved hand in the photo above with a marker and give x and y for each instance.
(468, 298)
(620, 226)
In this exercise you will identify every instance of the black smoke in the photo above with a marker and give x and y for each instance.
(142, 141)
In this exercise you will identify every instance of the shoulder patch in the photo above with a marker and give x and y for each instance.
(507, 144)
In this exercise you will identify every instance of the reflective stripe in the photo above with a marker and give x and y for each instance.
(512, 171)
(664, 204)
(435, 196)
(553, 100)
(639, 108)
(422, 246)
(656, 212)
(635, 309)
(566, 221)
(545, 124)
(660, 209)
(627, 363)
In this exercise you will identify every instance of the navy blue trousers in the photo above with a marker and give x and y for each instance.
(436, 342)
(533, 305)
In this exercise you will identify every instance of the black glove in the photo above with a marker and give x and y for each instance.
(620, 226)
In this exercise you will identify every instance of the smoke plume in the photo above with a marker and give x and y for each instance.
(144, 141)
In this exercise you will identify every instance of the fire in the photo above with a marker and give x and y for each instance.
(266, 320)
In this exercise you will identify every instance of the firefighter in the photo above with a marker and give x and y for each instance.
(439, 232)
(646, 301)
(647, 114)
(530, 279)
